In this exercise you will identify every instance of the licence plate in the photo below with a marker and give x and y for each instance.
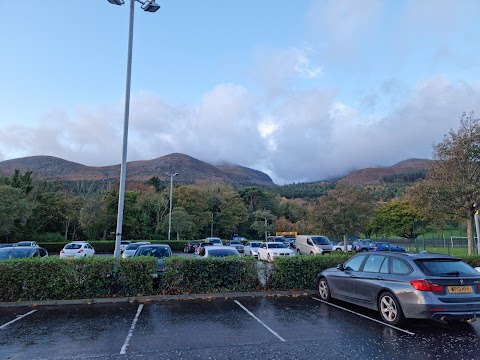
(459, 289)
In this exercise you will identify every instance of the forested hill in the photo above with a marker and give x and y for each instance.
(189, 169)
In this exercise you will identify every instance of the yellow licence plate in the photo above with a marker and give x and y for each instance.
(459, 289)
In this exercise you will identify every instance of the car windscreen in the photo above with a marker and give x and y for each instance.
(157, 251)
(11, 253)
(321, 240)
(222, 252)
(257, 244)
(73, 246)
(446, 267)
(133, 246)
(276, 246)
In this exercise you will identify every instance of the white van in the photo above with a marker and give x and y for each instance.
(313, 244)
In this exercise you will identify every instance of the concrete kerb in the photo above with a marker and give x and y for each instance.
(154, 298)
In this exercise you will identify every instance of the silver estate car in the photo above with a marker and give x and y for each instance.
(405, 285)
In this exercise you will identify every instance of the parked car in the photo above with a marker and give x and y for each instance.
(159, 251)
(340, 246)
(124, 244)
(237, 245)
(218, 251)
(17, 252)
(384, 246)
(190, 247)
(26, 243)
(214, 240)
(6, 245)
(313, 244)
(77, 249)
(270, 250)
(202, 245)
(251, 248)
(405, 285)
(132, 248)
(361, 245)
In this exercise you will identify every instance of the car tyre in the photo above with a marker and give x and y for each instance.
(338, 249)
(269, 258)
(324, 290)
(390, 309)
(298, 252)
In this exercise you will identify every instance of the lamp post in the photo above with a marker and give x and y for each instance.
(149, 6)
(170, 213)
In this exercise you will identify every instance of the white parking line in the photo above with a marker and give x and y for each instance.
(260, 321)
(130, 332)
(18, 318)
(366, 317)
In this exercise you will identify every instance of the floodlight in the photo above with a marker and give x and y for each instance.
(116, 2)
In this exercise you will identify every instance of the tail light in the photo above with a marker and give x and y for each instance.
(62, 252)
(375, 247)
(80, 251)
(425, 285)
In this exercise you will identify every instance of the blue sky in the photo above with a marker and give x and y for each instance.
(304, 91)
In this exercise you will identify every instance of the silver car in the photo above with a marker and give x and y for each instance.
(405, 285)
(251, 248)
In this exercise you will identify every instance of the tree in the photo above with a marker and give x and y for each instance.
(452, 186)
(14, 209)
(344, 210)
(263, 222)
(182, 222)
(397, 218)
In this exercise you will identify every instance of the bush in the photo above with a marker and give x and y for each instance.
(300, 272)
(208, 275)
(54, 278)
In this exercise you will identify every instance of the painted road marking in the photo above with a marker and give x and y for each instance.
(130, 332)
(364, 316)
(18, 318)
(260, 321)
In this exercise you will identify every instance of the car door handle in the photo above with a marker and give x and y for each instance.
(378, 278)
(352, 276)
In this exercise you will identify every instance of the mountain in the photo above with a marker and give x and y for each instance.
(188, 168)
(408, 168)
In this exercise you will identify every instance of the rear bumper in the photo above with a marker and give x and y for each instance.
(446, 316)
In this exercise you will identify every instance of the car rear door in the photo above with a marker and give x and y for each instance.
(371, 279)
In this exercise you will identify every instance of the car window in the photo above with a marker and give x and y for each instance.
(321, 240)
(263, 246)
(354, 263)
(399, 267)
(385, 268)
(222, 252)
(73, 246)
(442, 267)
(374, 263)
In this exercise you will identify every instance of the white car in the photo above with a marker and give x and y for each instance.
(76, 250)
(218, 251)
(124, 244)
(270, 250)
(214, 240)
(251, 248)
(132, 248)
(340, 246)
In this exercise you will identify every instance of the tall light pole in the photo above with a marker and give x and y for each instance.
(170, 213)
(149, 6)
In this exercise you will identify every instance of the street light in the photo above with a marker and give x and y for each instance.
(170, 213)
(149, 6)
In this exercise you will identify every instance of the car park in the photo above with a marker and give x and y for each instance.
(237, 245)
(218, 251)
(340, 246)
(202, 245)
(159, 251)
(384, 246)
(403, 285)
(124, 244)
(18, 252)
(251, 248)
(77, 249)
(190, 247)
(132, 248)
(270, 250)
(214, 240)
(313, 244)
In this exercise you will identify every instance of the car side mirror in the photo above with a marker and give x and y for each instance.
(340, 267)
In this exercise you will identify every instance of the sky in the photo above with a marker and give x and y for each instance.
(304, 91)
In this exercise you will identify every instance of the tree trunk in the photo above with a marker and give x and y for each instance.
(470, 231)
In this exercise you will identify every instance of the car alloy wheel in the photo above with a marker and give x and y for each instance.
(324, 290)
(390, 309)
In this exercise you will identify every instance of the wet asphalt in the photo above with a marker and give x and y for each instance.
(262, 327)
